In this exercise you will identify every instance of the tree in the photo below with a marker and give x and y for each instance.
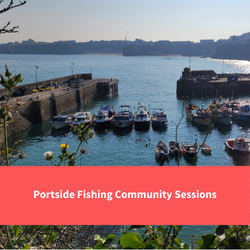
(10, 6)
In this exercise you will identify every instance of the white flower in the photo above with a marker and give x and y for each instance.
(48, 155)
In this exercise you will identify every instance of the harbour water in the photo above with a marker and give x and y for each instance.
(148, 80)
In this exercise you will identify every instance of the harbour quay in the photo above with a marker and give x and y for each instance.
(45, 99)
(203, 83)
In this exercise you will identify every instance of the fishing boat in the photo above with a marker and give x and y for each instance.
(104, 116)
(239, 146)
(243, 114)
(190, 150)
(61, 121)
(172, 148)
(205, 148)
(159, 117)
(124, 117)
(81, 118)
(161, 150)
(142, 118)
(200, 116)
(222, 115)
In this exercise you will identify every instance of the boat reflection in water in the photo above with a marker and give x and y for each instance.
(122, 132)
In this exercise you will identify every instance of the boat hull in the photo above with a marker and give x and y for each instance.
(225, 120)
(122, 123)
(59, 125)
(159, 123)
(199, 120)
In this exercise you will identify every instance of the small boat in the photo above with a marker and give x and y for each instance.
(190, 150)
(104, 116)
(239, 146)
(81, 118)
(222, 115)
(142, 118)
(200, 116)
(159, 117)
(172, 148)
(161, 150)
(124, 117)
(61, 121)
(205, 148)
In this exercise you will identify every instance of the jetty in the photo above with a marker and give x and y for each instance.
(207, 83)
(43, 100)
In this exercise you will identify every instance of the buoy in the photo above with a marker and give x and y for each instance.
(139, 139)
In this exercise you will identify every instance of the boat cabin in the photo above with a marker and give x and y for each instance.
(241, 143)
(60, 118)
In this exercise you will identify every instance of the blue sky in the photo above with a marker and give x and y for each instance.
(150, 20)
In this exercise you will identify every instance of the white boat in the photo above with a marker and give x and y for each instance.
(159, 117)
(200, 116)
(81, 118)
(239, 146)
(205, 148)
(142, 118)
(172, 148)
(61, 121)
(161, 150)
(222, 115)
(124, 117)
(104, 116)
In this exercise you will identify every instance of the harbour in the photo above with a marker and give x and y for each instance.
(148, 80)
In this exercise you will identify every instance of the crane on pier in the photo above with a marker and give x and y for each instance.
(126, 36)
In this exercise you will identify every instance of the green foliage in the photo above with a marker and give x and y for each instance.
(10, 82)
(23, 237)
(83, 134)
(226, 237)
(154, 237)
(165, 237)
(5, 111)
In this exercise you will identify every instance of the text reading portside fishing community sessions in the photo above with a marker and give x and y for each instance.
(109, 196)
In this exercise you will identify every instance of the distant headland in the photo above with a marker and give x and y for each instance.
(236, 47)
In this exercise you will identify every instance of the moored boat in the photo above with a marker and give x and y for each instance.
(61, 121)
(124, 117)
(239, 146)
(200, 116)
(205, 148)
(172, 148)
(142, 118)
(159, 117)
(104, 116)
(190, 150)
(243, 114)
(222, 116)
(161, 150)
(81, 118)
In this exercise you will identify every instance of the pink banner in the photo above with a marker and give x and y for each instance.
(124, 195)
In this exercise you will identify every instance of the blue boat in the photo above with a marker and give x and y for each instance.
(243, 114)
(159, 117)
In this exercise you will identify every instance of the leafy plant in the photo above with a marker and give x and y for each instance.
(157, 237)
(83, 134)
